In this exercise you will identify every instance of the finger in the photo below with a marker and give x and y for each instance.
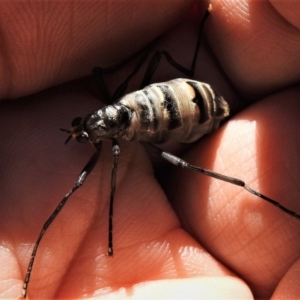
(256, 240)
(257, 44)
(191, 288)
(288, 287)
(51, 43)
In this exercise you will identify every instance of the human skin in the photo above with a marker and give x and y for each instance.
(211, 239)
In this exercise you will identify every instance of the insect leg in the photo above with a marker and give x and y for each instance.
(178, 162)
(158, 55)
(116, 153)
(98, 72)
(78, 183)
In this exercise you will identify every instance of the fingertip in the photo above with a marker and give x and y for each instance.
(186, 288)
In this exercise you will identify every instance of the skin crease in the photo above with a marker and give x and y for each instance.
(215, 240)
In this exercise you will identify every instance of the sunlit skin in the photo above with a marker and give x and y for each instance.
(211, 239)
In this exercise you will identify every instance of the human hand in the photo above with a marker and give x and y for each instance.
(259, 243)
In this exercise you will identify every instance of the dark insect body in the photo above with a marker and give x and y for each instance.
(182, 110)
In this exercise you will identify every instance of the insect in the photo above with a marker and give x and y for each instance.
(152, 116)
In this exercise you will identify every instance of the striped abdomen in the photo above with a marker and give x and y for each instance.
(182, 110)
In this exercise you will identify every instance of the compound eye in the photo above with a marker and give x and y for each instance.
(82, 138)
